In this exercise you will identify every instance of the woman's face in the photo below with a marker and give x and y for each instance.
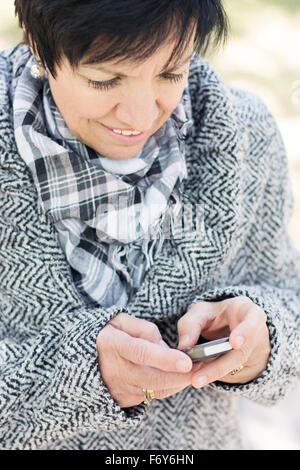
(94, 99)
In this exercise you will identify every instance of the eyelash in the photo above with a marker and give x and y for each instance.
(113, 82)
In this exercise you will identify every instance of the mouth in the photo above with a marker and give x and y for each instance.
(125, 136)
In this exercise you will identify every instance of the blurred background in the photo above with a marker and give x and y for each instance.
(262, 55)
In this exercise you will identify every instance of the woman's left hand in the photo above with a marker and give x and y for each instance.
(245, 324)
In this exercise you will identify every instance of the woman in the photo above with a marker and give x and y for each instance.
(113, 131)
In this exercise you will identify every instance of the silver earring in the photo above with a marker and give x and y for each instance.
(37, 70)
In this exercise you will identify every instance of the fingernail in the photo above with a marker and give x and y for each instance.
(239, 341)
(201, 381)
(183, 366)
(184, 341)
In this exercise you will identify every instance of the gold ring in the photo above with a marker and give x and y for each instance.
(148, 395)
(237, 370)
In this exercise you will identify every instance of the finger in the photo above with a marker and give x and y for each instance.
(158, 380)
(238, 315)
(249, 329)
(148, 377)
(143, 352)
(135, 395)
(137, 327)
(243, 340)
(161, 394)
(219, 368)
(144, 377)
(233, 311)
(190, 325)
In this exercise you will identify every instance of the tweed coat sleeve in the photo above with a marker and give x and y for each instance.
(50, 385)
(271, 278)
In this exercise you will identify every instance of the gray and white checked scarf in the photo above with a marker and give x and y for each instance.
(108, 213)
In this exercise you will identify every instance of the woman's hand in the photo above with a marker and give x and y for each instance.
(245, 324)
(133, 356)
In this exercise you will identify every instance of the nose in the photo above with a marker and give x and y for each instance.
(138, 109)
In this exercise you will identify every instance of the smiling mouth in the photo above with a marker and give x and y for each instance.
(124, 136)
(127, 132)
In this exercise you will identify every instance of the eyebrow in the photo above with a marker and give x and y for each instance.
(120, 74)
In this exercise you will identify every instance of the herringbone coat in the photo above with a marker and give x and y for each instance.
(51, 393)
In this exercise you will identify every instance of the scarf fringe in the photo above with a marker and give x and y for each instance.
(120, 254)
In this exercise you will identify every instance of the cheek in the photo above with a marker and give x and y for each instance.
(91, 104)
(171, 97)
(77, 102)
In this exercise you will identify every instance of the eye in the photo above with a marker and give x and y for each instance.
(103, 85)
(108, 84)
(174, 78)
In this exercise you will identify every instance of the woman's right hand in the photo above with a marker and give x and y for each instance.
(132, 355)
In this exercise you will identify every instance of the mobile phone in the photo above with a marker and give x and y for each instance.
(210, 349)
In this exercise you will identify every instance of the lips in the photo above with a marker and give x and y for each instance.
(124, 139)
(118, 128)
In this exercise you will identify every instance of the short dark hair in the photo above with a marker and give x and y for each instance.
(117, 30)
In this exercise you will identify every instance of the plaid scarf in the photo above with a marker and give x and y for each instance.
(108, 213)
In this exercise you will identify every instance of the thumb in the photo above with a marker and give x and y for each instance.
(198, 318)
